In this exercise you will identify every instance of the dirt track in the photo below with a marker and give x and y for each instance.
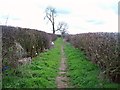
(61, 79)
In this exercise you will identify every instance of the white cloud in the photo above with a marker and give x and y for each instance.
(77, 13)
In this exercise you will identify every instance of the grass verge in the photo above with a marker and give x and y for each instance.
(41, 73)
(82, 72)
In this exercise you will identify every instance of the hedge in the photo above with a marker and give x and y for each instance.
(30, 41)
(102, 49)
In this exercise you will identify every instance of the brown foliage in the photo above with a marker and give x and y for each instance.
(32, 41)
(102, 49)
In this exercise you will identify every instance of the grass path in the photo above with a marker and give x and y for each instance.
(61, 79)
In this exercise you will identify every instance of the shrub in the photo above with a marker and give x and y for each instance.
(102, 49)
(31, 40)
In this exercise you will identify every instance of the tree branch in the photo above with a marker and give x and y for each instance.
(50, 15)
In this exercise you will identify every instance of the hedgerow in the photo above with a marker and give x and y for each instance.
(30, 41)
(102, 49)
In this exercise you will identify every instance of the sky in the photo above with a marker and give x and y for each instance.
(82, 16)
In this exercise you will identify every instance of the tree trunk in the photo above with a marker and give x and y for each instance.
(53, 28)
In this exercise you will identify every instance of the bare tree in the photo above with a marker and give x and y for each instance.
(62, 27)
(50, 15)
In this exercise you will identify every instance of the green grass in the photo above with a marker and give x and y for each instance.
(82, 72)
(41, 73)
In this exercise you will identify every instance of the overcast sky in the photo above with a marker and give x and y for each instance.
(81, 15)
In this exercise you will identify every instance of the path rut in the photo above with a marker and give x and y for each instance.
(61, 79)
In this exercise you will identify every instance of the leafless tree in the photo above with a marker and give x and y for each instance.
(62, 27)
(50, 15)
